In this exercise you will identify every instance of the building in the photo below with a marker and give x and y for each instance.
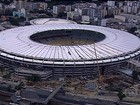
(92, 12)
(103, 22)
(19, 14)
(114, 11)
(85, 19)
(111, 3)
(122, 18)
(20, 4)
(58, 8)
(72, 15)
(47, 21)
(68, 8)
(68, 49)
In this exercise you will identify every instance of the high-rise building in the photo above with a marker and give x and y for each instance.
(58, 8)
(111, 3)
(20, 4)
(68, 8)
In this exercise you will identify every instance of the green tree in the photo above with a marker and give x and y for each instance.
(121, 95)
(61, 15)
(1, 69)
(19, 86)
(9, 88)
(14, 21)
(33, 78)
(132, 30)
(135, 76)
(7, 76)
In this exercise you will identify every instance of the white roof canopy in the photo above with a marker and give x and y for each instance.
(117, 43)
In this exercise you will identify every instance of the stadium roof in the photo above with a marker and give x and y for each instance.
(117, 46)
(42, 21)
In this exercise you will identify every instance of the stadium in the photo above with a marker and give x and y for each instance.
(68, 49)
(45, 21)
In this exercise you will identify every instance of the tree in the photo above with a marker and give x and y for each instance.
(132, 30)
(33, 78)
(19, 86)
(109, 16)
(6, 76)
(61, 15)
(134, 75)
(9, 88)
(1, 69)
(8, 12)
(14, 21)
(121, 95)
(22, 19)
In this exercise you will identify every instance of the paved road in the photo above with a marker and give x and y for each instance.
(79, 100)
(83, 101)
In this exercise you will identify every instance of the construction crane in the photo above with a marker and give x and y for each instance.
(98, 69)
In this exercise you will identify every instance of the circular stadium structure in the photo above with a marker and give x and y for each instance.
(68, 49)
(41, 21)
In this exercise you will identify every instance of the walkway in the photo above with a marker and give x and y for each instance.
(53, 93)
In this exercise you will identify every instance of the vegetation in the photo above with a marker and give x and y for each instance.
(7, 76)
(20, 86)
(132, 30)
(109, 16)
(14, 21)
(33, 78)
(62, 15)
(8, 12)
(135, 76)
(9, 88)
(1, 69)
(121, 95)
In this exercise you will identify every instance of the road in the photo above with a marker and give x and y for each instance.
(79, 100)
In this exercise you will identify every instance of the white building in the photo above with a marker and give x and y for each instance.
(43, 5)
(59, 8)
(120, 4)
(125, 9)
(103, 22)
(68, 8)
(72, 14)
(20, 3)
(91, 12)
(78, 10)
(85, 19)
(111, 3)
(55, 9)
(122, 18)
(23, 11)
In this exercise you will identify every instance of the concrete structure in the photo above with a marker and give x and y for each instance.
(72, 15)
(122, 18)
(53, 93)
(131, 16)
(20, 4)
(23, 11)
(24, 72)
(47, 21)
(58, 8)
(68, 49)
(111, 3)
(85, 19)
(68, 8)
(19, 14)
(103, 22)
